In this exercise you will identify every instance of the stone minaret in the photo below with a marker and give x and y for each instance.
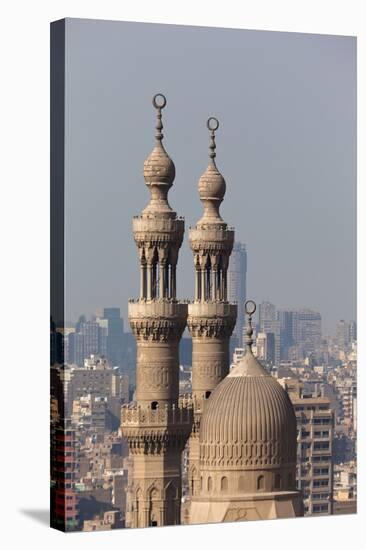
(211, 319)
(158, 424)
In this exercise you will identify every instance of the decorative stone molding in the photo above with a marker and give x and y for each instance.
(211, 320)
(156, 431)
(157, 321)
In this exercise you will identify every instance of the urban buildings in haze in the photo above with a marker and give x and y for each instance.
(237, 287)
(187, 439)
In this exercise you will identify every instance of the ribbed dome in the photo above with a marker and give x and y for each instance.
(159, 167)
(248, 421)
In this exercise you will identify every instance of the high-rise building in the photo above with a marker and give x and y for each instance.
(307, 330)
(346, 333)
(315, 426)
(64, 455)
(211, 317)
(286, 319)
(114, 343)
(269, 324)
(157, 426)
(266, 350)
(237, 286)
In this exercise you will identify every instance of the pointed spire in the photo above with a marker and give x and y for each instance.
(250, 308)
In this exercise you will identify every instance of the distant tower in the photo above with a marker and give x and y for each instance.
(211, 318)
(247, 447)
(270, 324)
(237, 287)
(158, 425)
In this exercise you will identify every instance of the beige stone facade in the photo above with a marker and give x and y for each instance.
(242, 425)
(157, 425)
(247, 450)
(211, 318)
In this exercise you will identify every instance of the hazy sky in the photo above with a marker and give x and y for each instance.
(286, 147)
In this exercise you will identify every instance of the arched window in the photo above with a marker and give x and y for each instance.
(277, 481)
(209, 484)
(154, 405)
(260, 483)
(224, 484)
(201, 486)
(207, 394)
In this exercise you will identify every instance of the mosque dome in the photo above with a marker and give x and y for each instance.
(249, 420)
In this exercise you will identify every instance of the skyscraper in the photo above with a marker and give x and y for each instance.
(237, 286)
(307, 330)
(269, 324)
(286, 318)
(114, 338)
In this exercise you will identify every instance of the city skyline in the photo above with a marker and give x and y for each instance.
(291, 111)
(97, 312)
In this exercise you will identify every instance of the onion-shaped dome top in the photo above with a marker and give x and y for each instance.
(249, 420)
(159, 167)
(211, 185)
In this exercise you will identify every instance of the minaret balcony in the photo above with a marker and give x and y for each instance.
(157, 309)
(164, 426)
(212, 309)
(148, 229)
(210, 236)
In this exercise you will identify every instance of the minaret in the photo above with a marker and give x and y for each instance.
(158, 424)
(211, 318)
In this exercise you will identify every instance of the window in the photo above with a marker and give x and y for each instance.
(207, 394)
(209, 484)
(321, 471)
(318, 445)
(323, 433)
(260, 483)
(320, 482)
(154, 405)
(224, 484)
(318, 508)
(320, 496)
